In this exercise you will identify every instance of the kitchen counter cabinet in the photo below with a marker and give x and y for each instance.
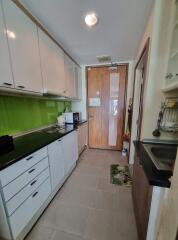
(28, 185)
(149, 185)
(142, 195)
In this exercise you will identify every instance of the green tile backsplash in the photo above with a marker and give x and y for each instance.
(19, 114)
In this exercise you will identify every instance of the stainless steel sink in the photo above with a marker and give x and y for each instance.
(54, 129)
(163, 156)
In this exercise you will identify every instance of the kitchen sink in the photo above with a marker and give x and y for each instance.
(54, 129)
(162, 156)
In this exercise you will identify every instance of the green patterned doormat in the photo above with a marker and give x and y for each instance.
(120, 175)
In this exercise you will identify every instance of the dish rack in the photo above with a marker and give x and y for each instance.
(169, 122)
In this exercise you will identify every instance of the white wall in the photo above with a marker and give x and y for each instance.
(156, 72)
(81, 106)
(147, 34)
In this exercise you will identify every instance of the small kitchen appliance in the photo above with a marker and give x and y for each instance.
(72, 117)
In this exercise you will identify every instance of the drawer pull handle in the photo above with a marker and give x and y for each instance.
(29, 158)
(32, 170)
(7, 84)
(31, 184)
(21, 87)
(34, 194)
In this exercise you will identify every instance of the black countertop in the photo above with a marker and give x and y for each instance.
(154, 176)
(29, 143)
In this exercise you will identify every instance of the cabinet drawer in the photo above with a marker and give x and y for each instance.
(19, 198)
(13, 171)
(27, 210)
(15, 186)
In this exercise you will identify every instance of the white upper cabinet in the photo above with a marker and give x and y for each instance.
(171, 78)
(24, 50)
(6, 79)
(70, 77)
(78, 82)
(52, 63)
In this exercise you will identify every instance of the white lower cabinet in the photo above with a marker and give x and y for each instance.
(56, 160)
(26, 211)
(20, 197)
(70, 148)
(27, 186)
(82, 137)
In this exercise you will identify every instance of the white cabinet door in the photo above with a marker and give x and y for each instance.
(70, 147)
(70, 77)
(84, 134)
(79, 135)
(52, 63)
(24, 51)
(78, 80)
(56, 162)
(82, 137)
(6, 79)
(23, 215)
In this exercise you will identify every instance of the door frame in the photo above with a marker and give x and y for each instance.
(145, 52)
(125, 94)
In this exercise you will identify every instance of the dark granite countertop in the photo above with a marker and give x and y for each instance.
(29, 143)
(154, 176)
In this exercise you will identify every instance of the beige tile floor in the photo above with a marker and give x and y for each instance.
(88, 207)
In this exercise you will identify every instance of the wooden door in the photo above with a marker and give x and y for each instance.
(106, 106)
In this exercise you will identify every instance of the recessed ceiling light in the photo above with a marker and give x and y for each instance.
(91, 19)
(11, 34)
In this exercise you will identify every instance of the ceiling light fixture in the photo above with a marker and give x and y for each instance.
(11, 34)
(91, 19)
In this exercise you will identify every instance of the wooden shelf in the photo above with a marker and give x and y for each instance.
(170, 87)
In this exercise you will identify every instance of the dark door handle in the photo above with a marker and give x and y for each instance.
(34, 194)
(29, 158)
(21, 87)
(32, 170)
(33, 182)
(7, 84)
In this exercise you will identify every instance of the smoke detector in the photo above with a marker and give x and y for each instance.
(104, 58)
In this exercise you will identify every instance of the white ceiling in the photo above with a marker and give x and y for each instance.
(118, 34)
